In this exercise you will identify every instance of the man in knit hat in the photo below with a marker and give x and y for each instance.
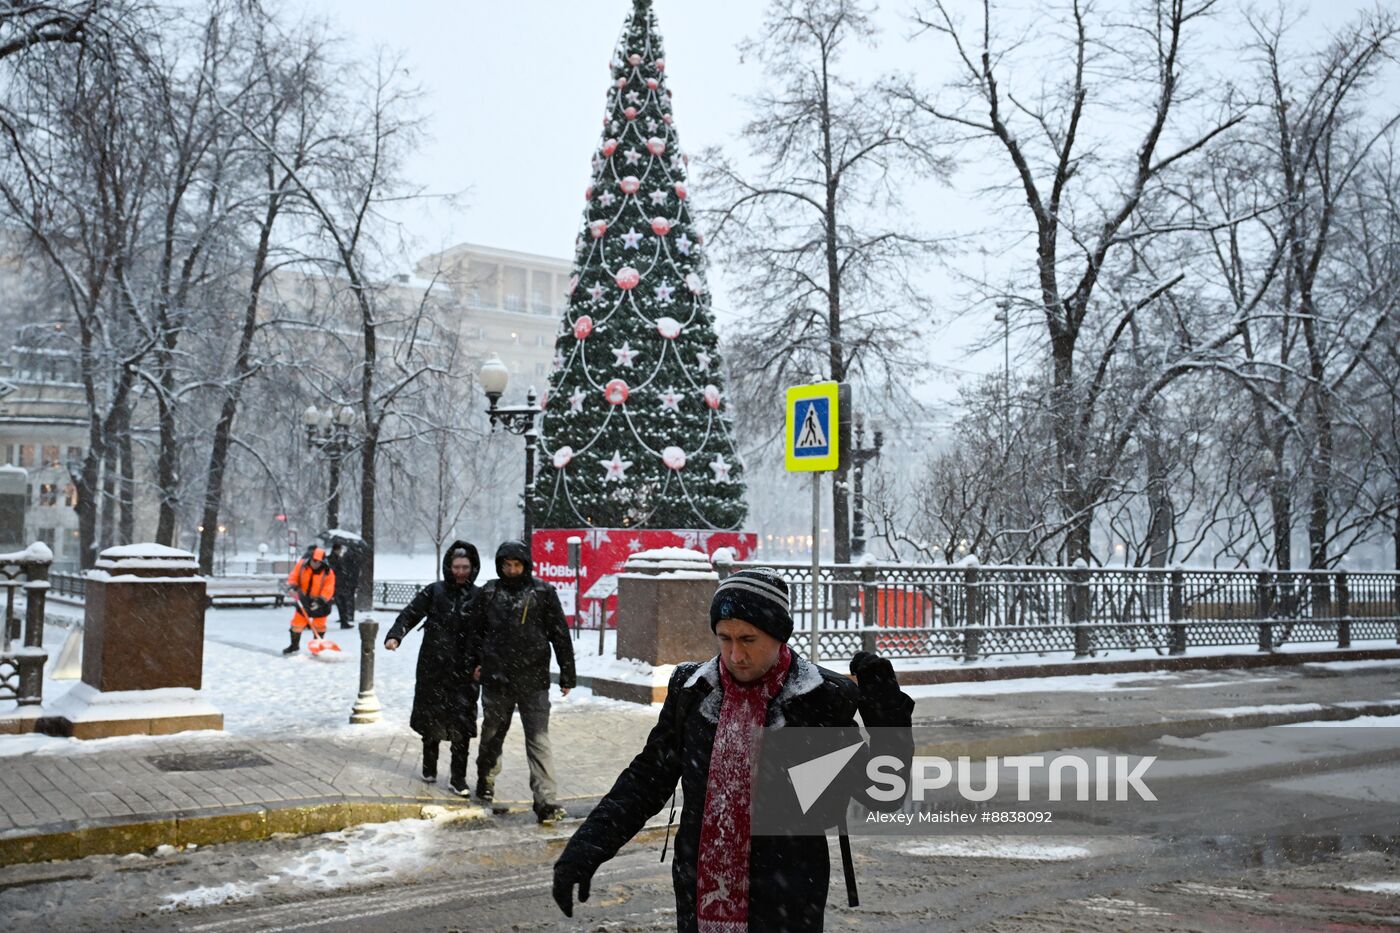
(726, 879)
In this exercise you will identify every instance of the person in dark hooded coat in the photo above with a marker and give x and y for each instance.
(515, 622)
(444, 694)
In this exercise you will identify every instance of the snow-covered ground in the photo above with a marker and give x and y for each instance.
(262, 693)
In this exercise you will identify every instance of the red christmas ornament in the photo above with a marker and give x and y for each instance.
(673, 457)
(609, 146)
(660, 226)
(712, 397)
(627, 278)
(630, 185)
(621, 83)
(630, 113)
(634, 59)
(588, 193)
(668, 327)
(562, 456)
(660, 64)
(652, 84)
(666, 118)
(583, 327)
(656, 145)
(615, 391)
(680, 191)
(598, 228)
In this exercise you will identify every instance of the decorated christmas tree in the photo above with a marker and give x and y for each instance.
(636, 432)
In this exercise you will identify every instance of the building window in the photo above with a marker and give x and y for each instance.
(10, 454)
(70, 495)
(26, 456)
(75, 455)
(48, 495)
(51, 456)
(481, 284)
(541, 292)
(513, 279)
(46, 535)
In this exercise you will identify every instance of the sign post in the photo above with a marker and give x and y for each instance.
(815, 415)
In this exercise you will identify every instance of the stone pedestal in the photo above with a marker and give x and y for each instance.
(663, 607)
(143, 649)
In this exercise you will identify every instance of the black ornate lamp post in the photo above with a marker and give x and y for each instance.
(860, 456)
(494, 378)
(333, 433)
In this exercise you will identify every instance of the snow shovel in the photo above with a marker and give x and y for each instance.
(318, 643)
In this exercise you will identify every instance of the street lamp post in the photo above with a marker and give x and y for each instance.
(860, 456)
(1003, 317)
(494, 378)
(333, 434)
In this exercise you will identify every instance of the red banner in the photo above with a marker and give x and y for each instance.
(603, 554)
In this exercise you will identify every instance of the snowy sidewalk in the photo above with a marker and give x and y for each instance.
(124, 795)
(289, 761)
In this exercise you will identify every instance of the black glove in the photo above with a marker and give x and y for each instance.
(871, 669)
(882, 703)
(569, 871)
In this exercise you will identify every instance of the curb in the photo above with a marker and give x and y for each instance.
(656, 693)
(235, 824)
(1205, 662)
(1097, 736)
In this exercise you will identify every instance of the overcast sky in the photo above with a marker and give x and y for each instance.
(514, 93)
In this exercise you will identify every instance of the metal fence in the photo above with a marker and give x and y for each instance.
(969, 612)
(22, 665)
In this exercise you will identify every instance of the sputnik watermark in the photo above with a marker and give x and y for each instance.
(1110, 778)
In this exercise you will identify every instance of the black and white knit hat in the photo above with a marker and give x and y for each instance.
(758, 597)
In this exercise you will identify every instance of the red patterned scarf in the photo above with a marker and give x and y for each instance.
(722, 871)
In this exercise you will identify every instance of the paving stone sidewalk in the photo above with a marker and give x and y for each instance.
(139, 793)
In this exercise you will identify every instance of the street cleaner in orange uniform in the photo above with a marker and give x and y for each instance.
(311, 585)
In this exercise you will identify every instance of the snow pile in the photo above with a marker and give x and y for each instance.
(227, 893)
(357, 857)
(1376, 887)
(998, 848)
(38, 551)
(671, 562)
(84, 703)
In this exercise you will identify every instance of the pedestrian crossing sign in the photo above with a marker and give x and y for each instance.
(813, 426)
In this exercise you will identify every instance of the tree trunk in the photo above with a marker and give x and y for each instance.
(364, 597)
(88, 493)
(1069, 446)
(1161, 519)
(108, 527)
(167, 457)
(126, 489)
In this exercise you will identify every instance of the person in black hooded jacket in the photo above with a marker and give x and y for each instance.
(515, 622)
(444, 694)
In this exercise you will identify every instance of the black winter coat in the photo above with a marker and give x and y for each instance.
(444, 695)
(788, 874)
(515, 622)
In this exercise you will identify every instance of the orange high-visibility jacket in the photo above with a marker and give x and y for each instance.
(311, 583)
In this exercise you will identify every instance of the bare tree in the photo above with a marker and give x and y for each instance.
(1085, 206)
(282, 104)
(816, 238)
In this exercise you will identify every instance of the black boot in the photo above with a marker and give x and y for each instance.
(295, 645)
(458, 778)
